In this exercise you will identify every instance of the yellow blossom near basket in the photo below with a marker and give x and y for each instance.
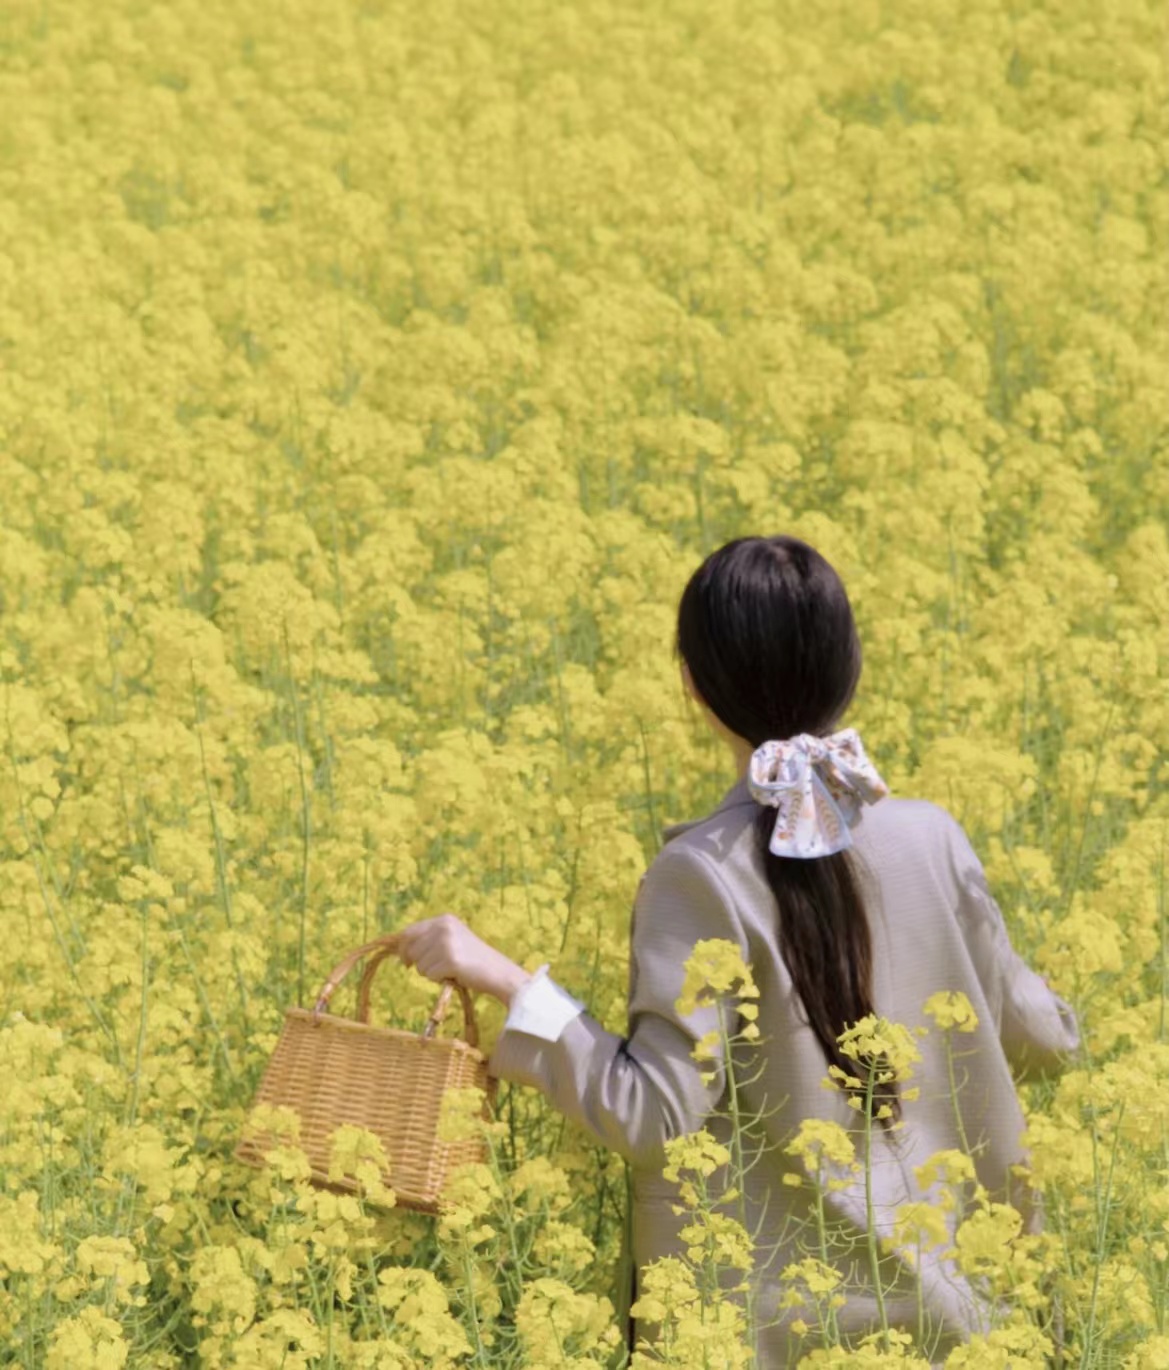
(332, 1071)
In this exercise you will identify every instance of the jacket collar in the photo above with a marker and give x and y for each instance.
(737, 795)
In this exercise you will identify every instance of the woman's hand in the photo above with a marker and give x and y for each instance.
(445, 948)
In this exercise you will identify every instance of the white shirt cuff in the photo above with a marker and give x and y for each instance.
(541, 1007)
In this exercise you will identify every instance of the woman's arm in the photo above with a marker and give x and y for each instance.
(1037, 1028)
(634, 1093)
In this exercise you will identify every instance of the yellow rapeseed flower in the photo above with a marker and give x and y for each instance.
(951, 1009)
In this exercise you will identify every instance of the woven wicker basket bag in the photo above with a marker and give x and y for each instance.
(334, 1070)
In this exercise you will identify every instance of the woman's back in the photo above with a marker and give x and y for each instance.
(934, 927)
(845, 914)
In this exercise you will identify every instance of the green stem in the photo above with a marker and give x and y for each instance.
(561, 706)
(738, 1167)
(649, 800)
(954, 1092)
(206, 1003)
(1088, 805)
(831, 1330)
(105, 1027)
(377, 1303)
(132, 1105)
(480, 1357)
(515, 1276)
(326, 745)
(127, 1191)
(305, 821)
(870, 1226)
(220, 858)
(1163, 919)
(1102, 1214)
(365, 885)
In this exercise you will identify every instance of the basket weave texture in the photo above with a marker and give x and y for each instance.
(333, 1070)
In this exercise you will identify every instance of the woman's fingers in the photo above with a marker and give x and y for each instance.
(436, 947)
(445, 948)
(414, 940)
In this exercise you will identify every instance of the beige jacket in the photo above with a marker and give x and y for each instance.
(935, 926)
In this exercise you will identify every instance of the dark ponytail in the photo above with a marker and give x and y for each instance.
(767, 632)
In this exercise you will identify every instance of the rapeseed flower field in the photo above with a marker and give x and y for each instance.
(372, 377)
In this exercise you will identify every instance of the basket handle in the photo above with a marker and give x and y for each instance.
(377, 951)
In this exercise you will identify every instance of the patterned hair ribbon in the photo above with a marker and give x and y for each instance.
(818, 785)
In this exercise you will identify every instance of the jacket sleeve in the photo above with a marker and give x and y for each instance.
(1037, 1028)
(634, 1093)
(542, 1007)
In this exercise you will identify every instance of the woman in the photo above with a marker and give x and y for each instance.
(840, 912)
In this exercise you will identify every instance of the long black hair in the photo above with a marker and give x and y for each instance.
(766, 630)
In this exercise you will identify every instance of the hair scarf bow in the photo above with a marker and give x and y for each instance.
(818, 785)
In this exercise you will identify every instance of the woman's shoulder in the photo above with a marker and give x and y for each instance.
(911, 846)
(898, 839)
(907, 829)
(908, 814)
(893, 817)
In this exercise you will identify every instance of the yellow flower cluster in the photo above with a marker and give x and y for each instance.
(372, 382)
(951, 1009)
